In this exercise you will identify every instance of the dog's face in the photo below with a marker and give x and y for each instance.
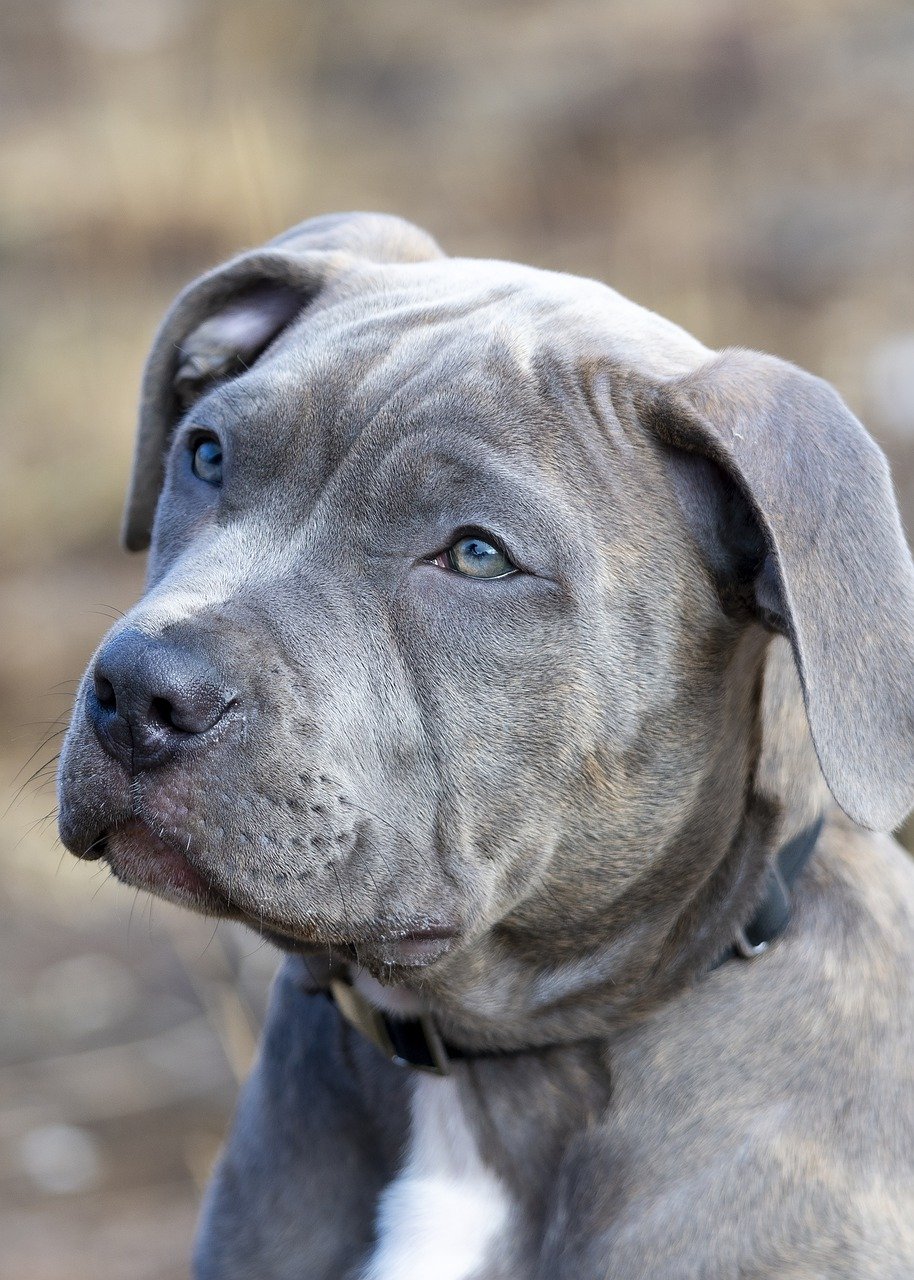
(435, 615)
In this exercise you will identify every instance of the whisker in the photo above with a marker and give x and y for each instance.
(209, 941)
(42, 746)
(19, 793)
(98, 888)
(136, 898)
(108, 610)
(53, 689)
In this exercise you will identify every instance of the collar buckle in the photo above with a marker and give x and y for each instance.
(749, 950)
(772, 915)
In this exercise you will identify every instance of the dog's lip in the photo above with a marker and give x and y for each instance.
(410, 946)
(88, 845)
(416, 947)
(143, 858)
(140, 857)
(412, 952)
(92, 850)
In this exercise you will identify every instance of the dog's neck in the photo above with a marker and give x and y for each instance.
(588, 968)
(395, 1019)
(494, 997)
(600, 967)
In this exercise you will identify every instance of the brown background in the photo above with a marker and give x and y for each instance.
(744, 168)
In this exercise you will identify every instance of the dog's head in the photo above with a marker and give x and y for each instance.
(461, 578)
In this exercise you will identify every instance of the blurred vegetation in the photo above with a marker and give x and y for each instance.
(745, 169)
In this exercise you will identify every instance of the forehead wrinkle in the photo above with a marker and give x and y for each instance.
(412, 295)
(567, 312)
(420, 407)
(394, 371)
(351, 381)
(343, 392)
(370, 344)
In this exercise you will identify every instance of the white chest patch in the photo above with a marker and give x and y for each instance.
(443, 1212)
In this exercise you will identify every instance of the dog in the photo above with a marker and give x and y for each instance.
(536, 679)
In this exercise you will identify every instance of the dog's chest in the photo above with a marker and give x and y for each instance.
(446, 1212)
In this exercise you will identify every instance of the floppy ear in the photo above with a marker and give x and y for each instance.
(226, 319)
(834, 571)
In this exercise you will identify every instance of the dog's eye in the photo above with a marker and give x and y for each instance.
(473, 557)
(206, 462)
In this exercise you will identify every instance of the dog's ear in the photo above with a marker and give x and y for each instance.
(829, 562)
(226, 319)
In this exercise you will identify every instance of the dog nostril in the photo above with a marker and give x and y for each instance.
(104, 691)
(149, 697)
(190, 716)
(162, 712)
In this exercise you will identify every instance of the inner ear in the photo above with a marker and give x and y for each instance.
(729, 538)
(231, 339)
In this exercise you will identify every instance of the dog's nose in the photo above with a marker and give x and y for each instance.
(150, 698)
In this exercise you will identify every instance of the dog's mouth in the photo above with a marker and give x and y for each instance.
(143, 859)
(411, 949)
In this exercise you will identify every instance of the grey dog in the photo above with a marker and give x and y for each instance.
(499, 639)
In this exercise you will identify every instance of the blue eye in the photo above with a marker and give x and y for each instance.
(473, 557)
(206, 462)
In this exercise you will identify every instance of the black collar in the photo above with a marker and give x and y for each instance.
(417, 1042)
(772, 915)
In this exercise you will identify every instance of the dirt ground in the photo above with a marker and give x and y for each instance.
(745, 169)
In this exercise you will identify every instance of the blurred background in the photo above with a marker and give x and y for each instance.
(746, 169)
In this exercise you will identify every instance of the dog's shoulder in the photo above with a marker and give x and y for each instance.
(778, 1093)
